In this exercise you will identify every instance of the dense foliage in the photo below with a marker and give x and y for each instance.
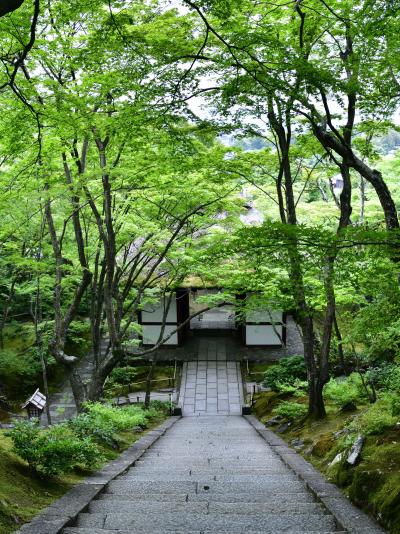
(137, 138)
(65, 447)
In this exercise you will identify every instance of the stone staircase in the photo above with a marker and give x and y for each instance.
(209, 474)
(211, 387)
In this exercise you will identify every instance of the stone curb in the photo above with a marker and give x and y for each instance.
(347, 516)
(65, 510)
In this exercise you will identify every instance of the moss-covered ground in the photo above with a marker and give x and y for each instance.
(373, 483)
(23, 494)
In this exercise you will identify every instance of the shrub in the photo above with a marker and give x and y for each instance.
(89, 425)
(123, 375)
(290, 410)
(102, 421)
(341, 392)
(395, 404)
(387, 377)
(285, 372)
(375, 419)
(298, 388)
(55, 450)
(120, 418)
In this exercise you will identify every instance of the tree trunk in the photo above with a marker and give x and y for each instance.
(148, 386)
(6, 310)
(373, 176)
(304, 317)
(78, 388)
(339, 338)
(316, 403)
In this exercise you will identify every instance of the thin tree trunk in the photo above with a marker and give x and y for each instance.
(6, 310)
(148, 385)
(37, 317)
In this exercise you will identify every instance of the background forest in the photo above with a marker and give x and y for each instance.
(240, 144)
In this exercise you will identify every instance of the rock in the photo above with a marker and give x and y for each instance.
(348, 407)
(274, 420)
(338, 458)
(137, 429)
(355, 450)
(309, 450)
(7, 426)
(339, 433)
(284, 427)
(297, 443)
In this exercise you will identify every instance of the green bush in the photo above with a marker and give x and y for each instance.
(395, 404)
(123, 375)
(386, 376)
(120, 418)
(55, 450)
(290, 410)
(299, 388)
(101, 421)
(285, 373)
(375, 419)
(89, 425)
(343, 391)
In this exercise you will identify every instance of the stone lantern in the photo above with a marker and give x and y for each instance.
(35, 405)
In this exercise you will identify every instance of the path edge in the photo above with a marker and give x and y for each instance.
(348, 517)
(63, 512)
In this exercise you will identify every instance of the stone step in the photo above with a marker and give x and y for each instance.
(182, 459)
(245, 481)
(127, 506)
(289, 497)
(190, 451)
(131, 485)
(83, 530)
(205, 472)
(232, 523)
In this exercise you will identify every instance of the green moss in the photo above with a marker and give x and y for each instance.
(264, 403)
(364, 485)
(374, 484)
(323, 445)
(342, 474)
(387, 503)
(22, 496)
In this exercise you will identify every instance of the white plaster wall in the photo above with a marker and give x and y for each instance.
(263, 335)
(151, 333)
(153, 313)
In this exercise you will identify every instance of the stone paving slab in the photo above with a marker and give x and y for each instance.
(269, 480)
(276, 497)
(211, 388)
(76, 530)
(220, 522)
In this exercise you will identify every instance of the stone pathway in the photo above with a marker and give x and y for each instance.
(210, 474)
(211, 387)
